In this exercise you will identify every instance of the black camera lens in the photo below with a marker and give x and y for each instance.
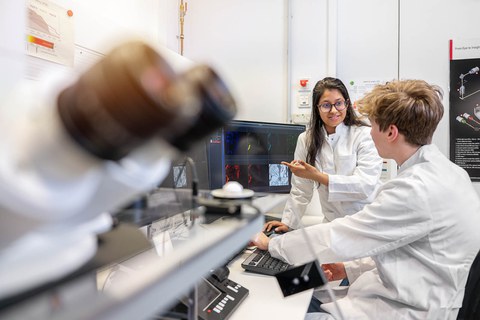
(217, 105)
(128, 97)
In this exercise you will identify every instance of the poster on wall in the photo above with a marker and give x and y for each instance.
(359, 87)
(465, 105)
(50, 32)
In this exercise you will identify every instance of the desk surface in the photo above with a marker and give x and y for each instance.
(130, 288)
(133, 289)
(265, 300)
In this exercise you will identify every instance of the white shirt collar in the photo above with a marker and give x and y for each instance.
(333, 138)
(419, 154)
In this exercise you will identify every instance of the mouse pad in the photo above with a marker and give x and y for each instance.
(301, 278)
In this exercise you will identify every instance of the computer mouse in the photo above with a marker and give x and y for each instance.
(269, 233)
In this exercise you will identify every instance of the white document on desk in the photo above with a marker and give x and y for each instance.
(163, 243)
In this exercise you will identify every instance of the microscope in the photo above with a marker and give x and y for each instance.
(77, 147)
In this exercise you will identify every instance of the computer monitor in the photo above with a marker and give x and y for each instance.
(252, 155)
(181, 173)
(249, 152)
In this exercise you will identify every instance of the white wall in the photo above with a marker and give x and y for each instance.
(309, 46)
(407, 39)
(367, 40)
(376, 40)
(98, 23)
(99, 26)
(262, 49)
(425, 29)
(12, 45)
(246, 41)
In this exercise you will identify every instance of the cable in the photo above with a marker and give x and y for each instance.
(194, 176)
(193, 297)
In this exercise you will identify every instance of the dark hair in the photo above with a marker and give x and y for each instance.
(315, 136)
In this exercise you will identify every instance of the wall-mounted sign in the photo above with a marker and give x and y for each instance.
(465, 105)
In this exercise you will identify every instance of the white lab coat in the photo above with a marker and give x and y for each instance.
(422, 232)
(350, 158)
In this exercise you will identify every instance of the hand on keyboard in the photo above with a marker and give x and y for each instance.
(261, 241)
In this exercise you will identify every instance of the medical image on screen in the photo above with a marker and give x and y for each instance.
(232, 142)
(257, 176)
(252, 176)
(236, 172)
(278, 175)
(179, 176)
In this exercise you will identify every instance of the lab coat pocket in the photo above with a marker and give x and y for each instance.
(346, 164)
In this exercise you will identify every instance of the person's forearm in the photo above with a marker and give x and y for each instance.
(321, 178)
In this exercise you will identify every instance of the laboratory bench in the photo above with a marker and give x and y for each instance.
(130, 278)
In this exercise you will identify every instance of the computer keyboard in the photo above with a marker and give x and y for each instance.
(260, 261)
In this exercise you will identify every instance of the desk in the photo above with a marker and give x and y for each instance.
(153, 283)
(265, 300)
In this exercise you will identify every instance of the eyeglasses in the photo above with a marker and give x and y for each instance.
(339, 105)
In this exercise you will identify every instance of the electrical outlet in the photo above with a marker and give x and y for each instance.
(303, 99)
(300, 118)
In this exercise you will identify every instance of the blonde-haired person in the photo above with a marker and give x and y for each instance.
(421, 229)
(344, 164)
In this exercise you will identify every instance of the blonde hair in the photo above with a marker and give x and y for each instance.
(413, 106)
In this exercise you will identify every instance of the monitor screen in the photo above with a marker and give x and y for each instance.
(249, 152)
(252, 155)
(181, 172)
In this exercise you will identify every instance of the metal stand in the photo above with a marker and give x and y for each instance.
(192, 304)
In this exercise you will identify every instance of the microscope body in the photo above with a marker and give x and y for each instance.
(78, 147)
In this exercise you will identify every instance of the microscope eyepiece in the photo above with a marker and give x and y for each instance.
(217, 105)
(132, 95)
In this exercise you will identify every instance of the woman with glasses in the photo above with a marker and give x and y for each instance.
(336, 156)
